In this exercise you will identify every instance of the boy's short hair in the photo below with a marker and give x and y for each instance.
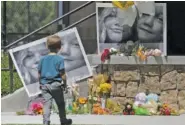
(54, 42)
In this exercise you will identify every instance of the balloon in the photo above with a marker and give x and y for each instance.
(123, 4)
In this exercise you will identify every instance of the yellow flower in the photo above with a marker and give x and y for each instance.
(105, 87)
(40, 112)
(74, 105)
(100, 79)
(82, 100)
(98, 89)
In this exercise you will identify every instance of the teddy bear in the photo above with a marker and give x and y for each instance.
(128, 109)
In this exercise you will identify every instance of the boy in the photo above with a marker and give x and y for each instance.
(53, 81)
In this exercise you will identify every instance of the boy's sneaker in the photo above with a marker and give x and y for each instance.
(66, 122)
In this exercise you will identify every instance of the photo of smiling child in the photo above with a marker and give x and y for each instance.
(26, 58)
(124, 29)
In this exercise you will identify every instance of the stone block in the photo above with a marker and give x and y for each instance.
(166, 68)
(181, 81)
(124, 100)
(169, 80)
(151, 83)
(126, 76)
(131, 89)
(113, 89)
(150, 70)
(181, 99)
(121, 89)
(169, 97)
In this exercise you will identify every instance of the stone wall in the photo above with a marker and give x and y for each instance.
(167, 81)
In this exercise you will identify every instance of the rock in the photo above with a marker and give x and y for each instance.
(181, 81)
(180, 68)
(174, 106)
(131, 89)
(150, 70)
(151, 83)
(181, 95)
(166, 68)
(169, 97)
(121, 89)
(182, 104)
(181, 99)
(123, 67)
(169, 81)
(111, 69)
(126, 76)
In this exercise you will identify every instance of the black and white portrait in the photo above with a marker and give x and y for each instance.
(124, 29)
(26, 58)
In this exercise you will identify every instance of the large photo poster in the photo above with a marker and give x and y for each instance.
(26, 58)
(123, 29)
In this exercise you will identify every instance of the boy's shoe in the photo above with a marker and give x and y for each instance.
(66, 121)
(46, 123)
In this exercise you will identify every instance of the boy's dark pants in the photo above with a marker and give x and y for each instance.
(50, 91)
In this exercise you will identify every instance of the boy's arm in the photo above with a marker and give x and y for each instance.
(39, 70)
(39, 76)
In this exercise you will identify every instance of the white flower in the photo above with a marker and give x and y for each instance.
(121, 54)
(95, 98)
(90, 97)
(113, 50)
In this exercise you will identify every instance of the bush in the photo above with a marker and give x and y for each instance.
(5, 77)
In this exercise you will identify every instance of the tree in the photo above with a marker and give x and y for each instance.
(26, 16)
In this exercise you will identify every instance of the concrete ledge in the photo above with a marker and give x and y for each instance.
(97, 119)
(133, 60)
(16, 101)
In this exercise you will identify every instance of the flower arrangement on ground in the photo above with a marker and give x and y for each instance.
(36, 108)
(100, 89)
(165, 109)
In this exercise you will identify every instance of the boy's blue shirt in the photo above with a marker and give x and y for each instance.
(50, 67)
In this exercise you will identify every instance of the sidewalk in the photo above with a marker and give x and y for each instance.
(12, 118)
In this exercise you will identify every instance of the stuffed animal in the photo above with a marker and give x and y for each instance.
(140, 99)
(152, 97)
(128, 109)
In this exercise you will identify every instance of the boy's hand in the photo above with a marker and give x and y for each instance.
(66, 89)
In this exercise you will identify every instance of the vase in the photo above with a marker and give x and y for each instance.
(103, 101)
(90, 107)
(107, 61)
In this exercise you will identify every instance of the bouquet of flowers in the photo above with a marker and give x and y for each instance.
(165, 109)
(97, 109)
(113, 106)
(36, 108)
(107, 53)
(143, 52)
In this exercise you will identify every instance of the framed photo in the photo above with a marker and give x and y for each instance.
(26, 58)
(124, 29)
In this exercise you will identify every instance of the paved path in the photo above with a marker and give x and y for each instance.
(12, 118)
